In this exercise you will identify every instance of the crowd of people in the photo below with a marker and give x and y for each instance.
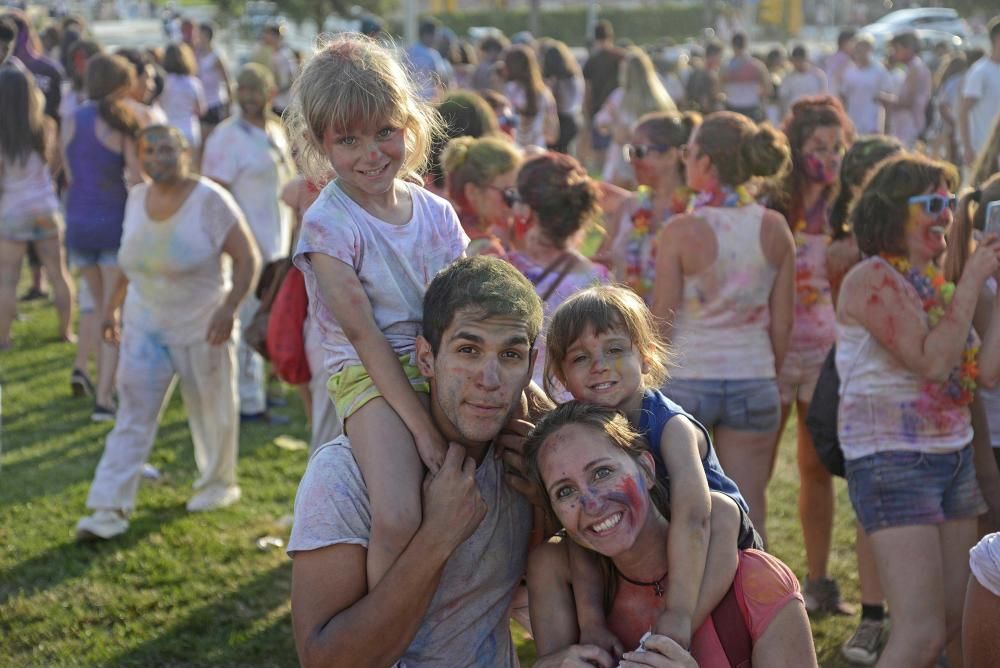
(535, 393)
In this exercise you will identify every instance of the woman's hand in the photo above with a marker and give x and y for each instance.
(661, 652)
(111, 329)
(984, 261)
(577, 656)
(220, 326)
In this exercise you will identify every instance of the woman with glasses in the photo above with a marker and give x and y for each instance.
(724, 293)
(558, 201)
(655, 155)
(481, 178)
(909, 364)
(819, 133)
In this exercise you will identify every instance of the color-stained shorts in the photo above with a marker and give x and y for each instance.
(352, 387)
(31, 227)
(799, 373)
(743, 405)
(903, 488)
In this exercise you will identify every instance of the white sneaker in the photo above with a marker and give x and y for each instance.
(213, 498)
(103, 524)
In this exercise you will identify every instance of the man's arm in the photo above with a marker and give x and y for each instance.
(337, 621)
(964, 110)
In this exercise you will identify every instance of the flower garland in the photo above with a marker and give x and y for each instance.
(935, 295)
(722, 196)
(640, 245)
(639, 270)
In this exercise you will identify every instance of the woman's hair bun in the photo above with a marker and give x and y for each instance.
(766, 152)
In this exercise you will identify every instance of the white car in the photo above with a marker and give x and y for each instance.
(929, 23)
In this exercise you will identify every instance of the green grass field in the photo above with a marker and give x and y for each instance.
(192, 590)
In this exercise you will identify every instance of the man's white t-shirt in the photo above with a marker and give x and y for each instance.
(255, 165)
(467, 622)
(177, 276)
(982, 82)
(797, 85)
(859, 87)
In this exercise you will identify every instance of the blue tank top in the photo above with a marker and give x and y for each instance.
(657, 410)
(95, 200)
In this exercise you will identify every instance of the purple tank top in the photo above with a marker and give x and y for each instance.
(95, 200)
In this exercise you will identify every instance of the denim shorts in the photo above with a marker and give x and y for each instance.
(903, 487)
(78, 257)
(743, 405)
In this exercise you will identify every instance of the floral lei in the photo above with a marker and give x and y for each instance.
(639, 270)
(935, 295)
(722, 196)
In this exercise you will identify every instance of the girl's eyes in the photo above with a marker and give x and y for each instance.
(579, 358)
(563, 492)
(602, 472)
(384, 133)
(348, 141)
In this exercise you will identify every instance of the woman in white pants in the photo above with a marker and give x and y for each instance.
(177, 321)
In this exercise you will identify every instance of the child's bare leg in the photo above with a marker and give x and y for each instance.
(588, 593)
(550, 590)
(393, 473)
(722, 559)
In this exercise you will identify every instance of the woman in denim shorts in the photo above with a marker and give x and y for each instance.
(98, 142)
(906, 355)
(724, 293)
(29, 210)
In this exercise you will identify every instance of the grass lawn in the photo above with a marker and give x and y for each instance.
(183, 589)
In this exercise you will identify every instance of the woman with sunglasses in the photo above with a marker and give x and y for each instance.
(724, 295)
(655, 157)
(909, 363)
(481, 182)
(558, 201)
(819, 133)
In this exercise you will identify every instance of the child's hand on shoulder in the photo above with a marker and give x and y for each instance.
(431, 447)
(675, 626)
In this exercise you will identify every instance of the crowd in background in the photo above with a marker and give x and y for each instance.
(793, 223)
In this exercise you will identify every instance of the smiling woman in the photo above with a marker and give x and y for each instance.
(178, 322)
(908, 360)
(597, 478)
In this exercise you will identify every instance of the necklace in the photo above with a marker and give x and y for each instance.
(721, 196)
(657, 585)
(935, 295)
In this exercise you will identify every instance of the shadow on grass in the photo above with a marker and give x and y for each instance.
(70, 559)
(224, 633)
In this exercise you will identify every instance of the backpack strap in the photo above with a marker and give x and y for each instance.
(731, 627)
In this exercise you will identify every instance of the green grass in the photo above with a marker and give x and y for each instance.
(183, 589)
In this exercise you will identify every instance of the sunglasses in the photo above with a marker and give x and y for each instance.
(934, 204)
(639, 151)
(509, 194)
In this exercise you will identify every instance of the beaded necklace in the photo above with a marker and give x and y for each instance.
(935, 295)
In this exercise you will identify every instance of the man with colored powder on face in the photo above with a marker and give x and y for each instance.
(446, 599)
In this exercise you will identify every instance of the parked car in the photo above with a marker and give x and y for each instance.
(931, 24)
